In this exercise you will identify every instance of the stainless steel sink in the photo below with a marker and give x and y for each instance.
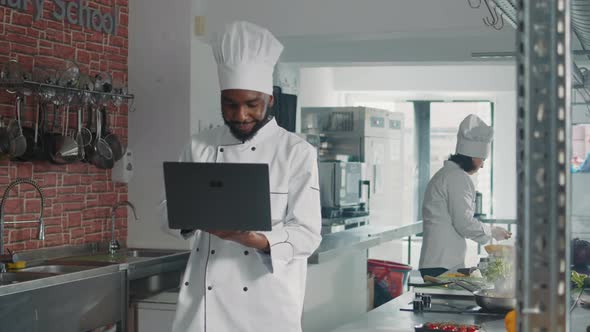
(149, 252)
(8, 278)
(57, 269)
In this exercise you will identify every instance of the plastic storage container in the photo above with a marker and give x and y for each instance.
(390, 279)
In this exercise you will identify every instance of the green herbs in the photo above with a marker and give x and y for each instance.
(578, 279)
(498, 268)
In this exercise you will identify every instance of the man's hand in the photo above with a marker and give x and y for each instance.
(499, 233)
(248, 239)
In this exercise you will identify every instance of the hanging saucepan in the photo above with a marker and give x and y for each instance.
(101, 155)
(34, 149)
(111, 138)
(18, 143)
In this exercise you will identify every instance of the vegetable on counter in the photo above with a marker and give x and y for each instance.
(446, 326)
(510, 321)
(580, 280)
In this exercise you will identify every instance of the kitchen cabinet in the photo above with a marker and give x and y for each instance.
(155, 314)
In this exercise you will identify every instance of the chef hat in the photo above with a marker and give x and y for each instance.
(246, 55)
(474, 137)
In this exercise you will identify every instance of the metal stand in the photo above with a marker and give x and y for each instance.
(544, 71)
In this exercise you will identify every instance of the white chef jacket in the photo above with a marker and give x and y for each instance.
(228, 287)
(447, 212)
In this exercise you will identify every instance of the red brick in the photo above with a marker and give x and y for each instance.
(74, 27)
(19, 235)
(92, 213)
(70, 180)
(48, 62)
(111, 49)
(44, 43)
(53, 230)
(33, 205)
(56, 25)
(53, 240)
(49, 180)
(113, 65)
(45, 51)
(34, 33)
(124, 52)
(40, 24)
(74, 219)
(90, 238)
(78, 167)
(94, 47)
(54, 35)
(95, 37)
(22, 18)
(64, 52)
(57, 209)
(99, 187)
(108, 199)
(67, 38)
(72, 198)
(82, 56)
(53, 221)
(4, 46)
(13, 205)
(78, 36)
(25, 170)
(27, 217)
(21, 39)
(77, 233)
(16, 247)
(116, 58)
(123, 31)
(16, 29)
(124, 19)
(31, 245)
(61, 191)
(73, 206)
(116, 41)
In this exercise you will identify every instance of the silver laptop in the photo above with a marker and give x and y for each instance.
(217, 196)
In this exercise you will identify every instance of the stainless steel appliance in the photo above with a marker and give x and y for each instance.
(341, 188)
(373, 137)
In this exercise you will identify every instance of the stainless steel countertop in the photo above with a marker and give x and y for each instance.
(389, 318)
(360, 238)
(136, 268)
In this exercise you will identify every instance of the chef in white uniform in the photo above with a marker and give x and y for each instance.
(449, 203)
(252, 281)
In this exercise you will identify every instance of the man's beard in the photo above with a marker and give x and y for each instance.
(244, 137)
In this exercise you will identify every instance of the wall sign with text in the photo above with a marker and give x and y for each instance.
(74, 12)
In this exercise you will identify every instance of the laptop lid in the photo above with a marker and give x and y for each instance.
(217, 196)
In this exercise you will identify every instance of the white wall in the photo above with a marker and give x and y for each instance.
(159, 76)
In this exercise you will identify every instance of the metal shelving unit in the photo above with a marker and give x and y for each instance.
(544, 87)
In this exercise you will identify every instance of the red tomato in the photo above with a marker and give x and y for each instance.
(471, 329)
(462, 329)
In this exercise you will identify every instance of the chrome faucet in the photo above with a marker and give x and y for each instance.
(114, 244)
(41, 234)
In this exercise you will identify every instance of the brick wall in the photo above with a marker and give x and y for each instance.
(79, 196)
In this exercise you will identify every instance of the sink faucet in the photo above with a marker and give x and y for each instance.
(41, 234)
(114, 244)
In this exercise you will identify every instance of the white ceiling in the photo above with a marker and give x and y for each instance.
(352, 31)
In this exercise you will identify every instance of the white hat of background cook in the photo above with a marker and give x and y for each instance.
(246, 55)
(474, 137)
